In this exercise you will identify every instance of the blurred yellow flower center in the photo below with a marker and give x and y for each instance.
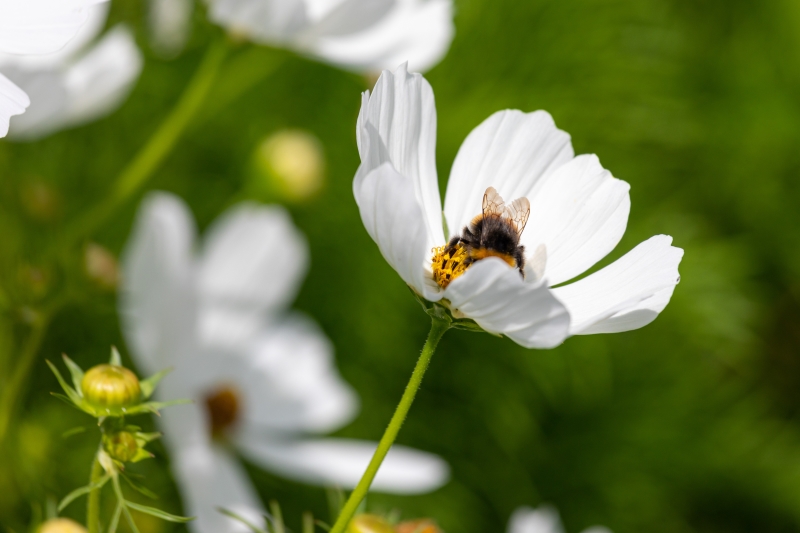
(369, 523)
(423, 525)
(448, 263)
(223, 407)
(110, 386)
(61, 525)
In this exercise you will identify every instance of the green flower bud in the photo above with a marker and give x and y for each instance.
(61, 525)
(289, 164)
(110, 387)
(369, 523)
(121, 445)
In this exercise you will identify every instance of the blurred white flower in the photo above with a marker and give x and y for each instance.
(263, 379)
(544, 519)
(169, 22)
(79, 83)
(34, 27)
(578, 214)
(362, 35)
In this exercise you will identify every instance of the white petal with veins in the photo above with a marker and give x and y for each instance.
(397, 125)
(510, 151)
(500, 301)
(627, 294)
(579, 211)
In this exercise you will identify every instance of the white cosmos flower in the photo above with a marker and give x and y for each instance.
(544, 519)
(80, 82)
(362, 35)
(578, 214)
(34, 27)
(263, 379)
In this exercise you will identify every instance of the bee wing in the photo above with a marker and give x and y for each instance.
(493, 204)
(518, 213)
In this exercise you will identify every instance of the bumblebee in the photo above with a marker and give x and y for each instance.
(494, 233)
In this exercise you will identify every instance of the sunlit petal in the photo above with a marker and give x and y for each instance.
(627, 294)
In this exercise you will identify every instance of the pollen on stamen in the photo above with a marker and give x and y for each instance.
(448, 263)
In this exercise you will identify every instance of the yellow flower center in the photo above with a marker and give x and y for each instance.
(448, 263)
(223, 407)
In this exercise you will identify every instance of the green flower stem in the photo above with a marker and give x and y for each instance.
(438, 329)
(141, 168)
(93, 505)
(19, 377)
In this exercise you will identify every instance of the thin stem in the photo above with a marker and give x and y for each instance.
(438, 329)
(93, 505)
(9, 397)
(141, 168)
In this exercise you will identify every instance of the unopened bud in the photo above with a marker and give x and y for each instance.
(290, 164)
(61, 525)
(101, 266)
(110, 387)
(369, 523)
(121, 445)
(422, 525)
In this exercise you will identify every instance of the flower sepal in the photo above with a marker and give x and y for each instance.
(109, 390)
(441, 311)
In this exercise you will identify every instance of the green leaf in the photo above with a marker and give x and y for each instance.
(112, 527)
(74, 431)
(129, 517)
(69, 498)
(115, 360)
(244, 521)
(76, 371)
(71, 394)
(158, 513)
(149, 385)
(141, 455)
(138, 488)
(153, 407)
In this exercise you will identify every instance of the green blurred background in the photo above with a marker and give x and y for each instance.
(691, 424)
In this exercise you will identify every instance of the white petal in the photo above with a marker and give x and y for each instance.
(415, 31)
(341, 462)
(291, 382)
(103, 78)
(169, 24)
(209, 477)
(510, 151)
(394, 219)
(345, 17)
(496, 297)
(262, 21)
(71, 94)
(579, 212)
(627, 294)
(156, 303)
(545, 519)
(13, 101)
(252, 264)
(88, 32)
(40, 26)
(397, 124)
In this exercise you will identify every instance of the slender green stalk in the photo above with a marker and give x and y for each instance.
(141, 168)
(9, 396)
(438, 329)
(93, 505)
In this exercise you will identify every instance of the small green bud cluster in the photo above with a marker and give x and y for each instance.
(109, 390)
